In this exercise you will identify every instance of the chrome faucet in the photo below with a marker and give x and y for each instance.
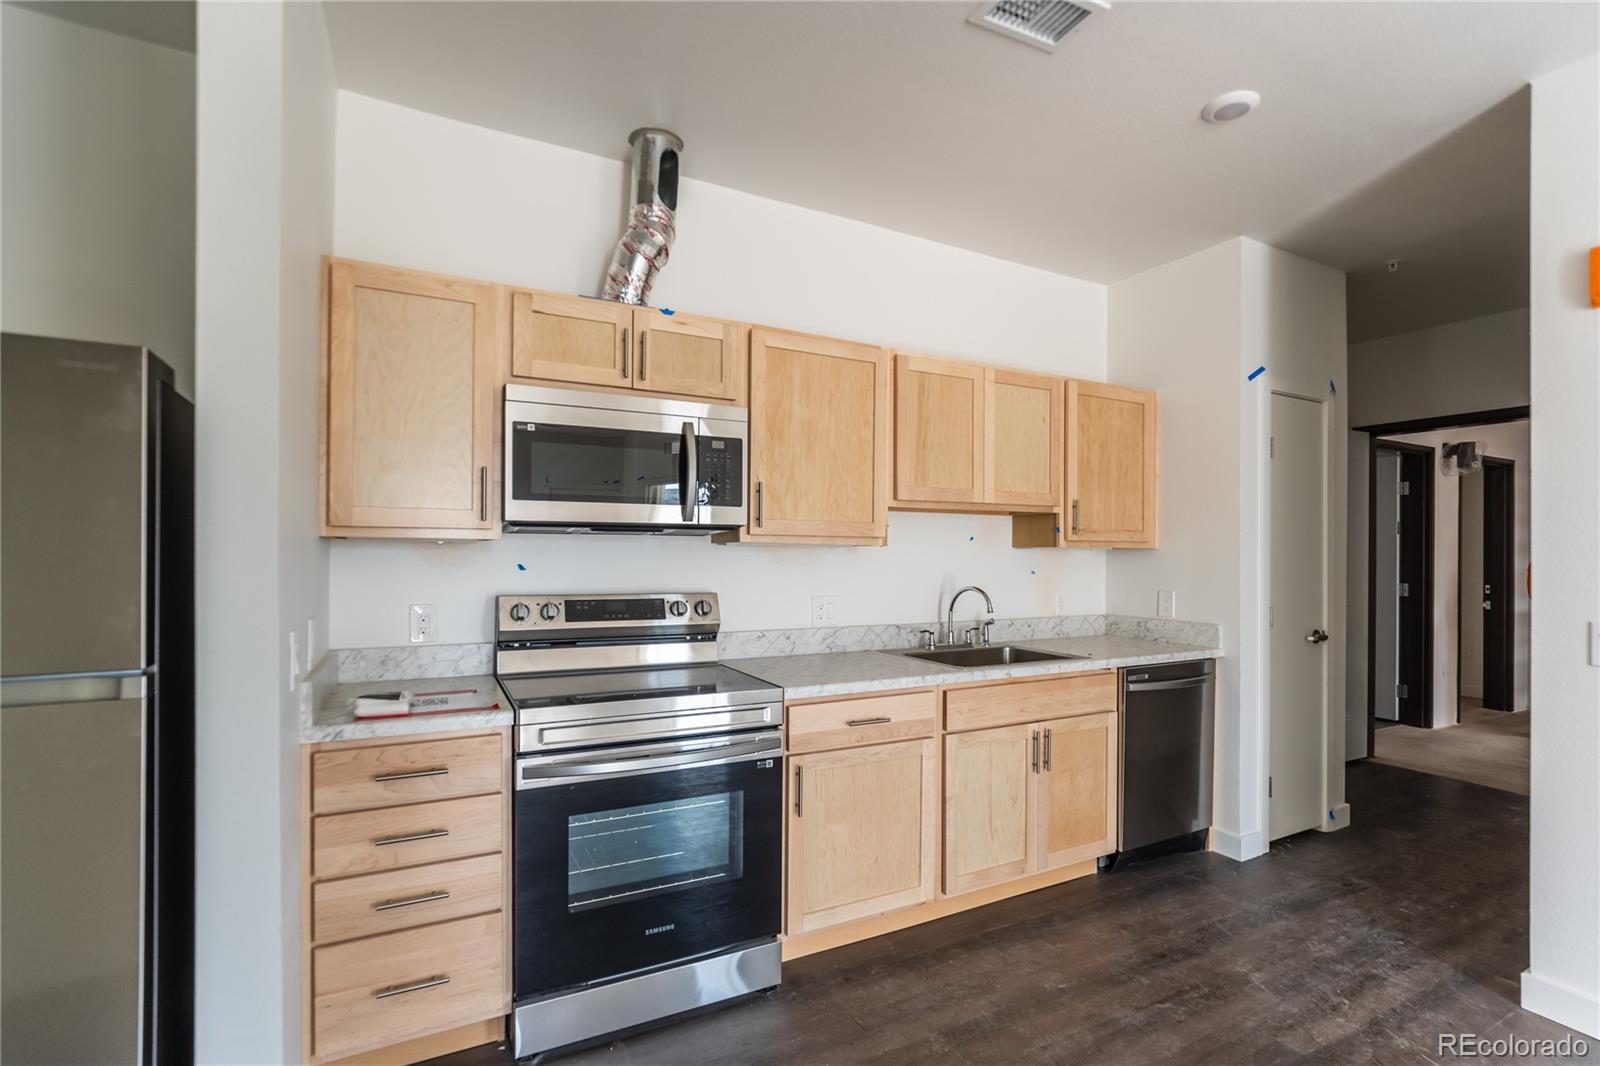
(950, 617)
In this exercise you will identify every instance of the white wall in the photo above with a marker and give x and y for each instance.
(265, 169)
(421, 191)
(1563, 976)
(1479, 364)
(98, 180)
(1194, 329)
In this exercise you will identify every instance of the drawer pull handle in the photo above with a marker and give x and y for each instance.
(436, 771)
(853, 722)
(409, 837)
(391, 904)
(416, 986)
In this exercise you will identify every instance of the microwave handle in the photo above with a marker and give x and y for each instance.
(689, 490)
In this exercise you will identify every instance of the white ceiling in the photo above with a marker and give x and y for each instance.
(1386, 129)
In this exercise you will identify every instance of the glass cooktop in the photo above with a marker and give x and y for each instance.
(715, 683)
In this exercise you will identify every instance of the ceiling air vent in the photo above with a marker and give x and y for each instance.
(1041, 23)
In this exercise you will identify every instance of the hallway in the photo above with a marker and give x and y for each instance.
(1488, 748)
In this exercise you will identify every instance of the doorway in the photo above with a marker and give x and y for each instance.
(1400, 590)
(1488, 594)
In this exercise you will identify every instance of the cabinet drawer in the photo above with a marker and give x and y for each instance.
(354, 778)
(1030, 701)
(870, 720)
(400, 899)
(393, 987)
(367, 841)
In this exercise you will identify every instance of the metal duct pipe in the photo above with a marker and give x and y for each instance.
(647, 239)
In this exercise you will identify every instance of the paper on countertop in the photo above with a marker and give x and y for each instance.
(446, 701)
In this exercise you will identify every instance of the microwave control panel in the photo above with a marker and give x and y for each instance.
(721, 469)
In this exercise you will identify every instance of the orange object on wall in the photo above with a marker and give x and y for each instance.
(1594, 277)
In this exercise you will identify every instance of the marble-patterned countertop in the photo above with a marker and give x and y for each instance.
(335, 719)
(848, 672)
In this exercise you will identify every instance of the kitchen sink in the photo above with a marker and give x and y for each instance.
(998, 655)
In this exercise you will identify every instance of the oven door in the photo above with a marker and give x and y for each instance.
(631, 858)
(588, 466)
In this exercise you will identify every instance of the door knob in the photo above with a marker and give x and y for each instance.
(1316, 636)
(1487, 606)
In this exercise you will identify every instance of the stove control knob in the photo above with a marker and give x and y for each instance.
(702, 607)
(519, 612)
(679, 608)
(549, 612)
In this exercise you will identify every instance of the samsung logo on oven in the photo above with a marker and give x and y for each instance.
(654, 929)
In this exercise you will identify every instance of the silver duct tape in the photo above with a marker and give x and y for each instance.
(642, 251)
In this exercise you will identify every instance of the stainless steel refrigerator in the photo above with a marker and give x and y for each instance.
(96, 705)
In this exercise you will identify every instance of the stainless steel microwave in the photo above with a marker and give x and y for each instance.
(596, 462)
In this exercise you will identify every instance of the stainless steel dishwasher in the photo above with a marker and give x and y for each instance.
(1168, 719)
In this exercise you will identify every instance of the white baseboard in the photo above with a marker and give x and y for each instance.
(1338, 818)
(1571, 1007)
(1239, 848)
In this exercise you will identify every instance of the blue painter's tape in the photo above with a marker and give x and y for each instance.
(1257, 372)
(668, 311)
(521, 567)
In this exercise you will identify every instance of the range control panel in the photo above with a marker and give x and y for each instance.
(624, 611)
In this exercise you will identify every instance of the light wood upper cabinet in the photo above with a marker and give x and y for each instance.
(862, 834)
(690, 355)
(410, 383)
(1110, 466)
(569, 338)
(938, 429)
(1023, 414)
(819, 439)
(1077, 790)
(988, 790)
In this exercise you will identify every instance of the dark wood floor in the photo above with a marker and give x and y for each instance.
(1356, 946)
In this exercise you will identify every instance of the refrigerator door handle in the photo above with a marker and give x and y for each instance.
(29, 690)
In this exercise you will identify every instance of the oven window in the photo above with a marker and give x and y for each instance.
(631, 853)
(589, 464)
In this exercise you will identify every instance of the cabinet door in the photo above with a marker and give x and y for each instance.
(819, 415)
(987, 781)
(862, 832)
(1111, 466)
(1023, 446)
(690, 355)
(569, 338)
(410, 400)
(1076, 801)
(938, 429)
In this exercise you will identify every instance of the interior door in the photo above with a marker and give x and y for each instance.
(987, 784)
(688, 354)
(569, 338)
(1416, 600)
(938, 429)
(1499, 593)
(862, 832)
(1077, 789)
(1023, 446)
(1385, 678)
(1110, 465)
(1297, 634)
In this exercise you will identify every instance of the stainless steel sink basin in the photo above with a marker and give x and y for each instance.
(998, 655)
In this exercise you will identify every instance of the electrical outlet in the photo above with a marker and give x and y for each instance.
(824, 610)
(1062, 603)
(1166, 603)
(423, 616)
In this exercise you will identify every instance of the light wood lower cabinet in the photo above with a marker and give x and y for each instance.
(863, 825)
(987, 793)
(1076, 790)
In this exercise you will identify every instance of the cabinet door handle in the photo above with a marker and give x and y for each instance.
(483, 494)
(644, 351)
(624, 353)
(431, 834)
(1074, 518)
(415, 986)
(853, 722)
(1047, 750)
(799, 791)
(758, 504)
(1035, 751)
(410, 901)
(433, 771)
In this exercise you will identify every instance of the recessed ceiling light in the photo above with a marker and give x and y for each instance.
(1230, 106)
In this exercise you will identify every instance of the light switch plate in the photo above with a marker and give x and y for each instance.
(423, 618)
(824, 610)
(1063, 603)
(1166, 603)
(294, 659)
(1594, 643)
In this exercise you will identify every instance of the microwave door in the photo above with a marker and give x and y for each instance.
(586, 466)
(689, 477)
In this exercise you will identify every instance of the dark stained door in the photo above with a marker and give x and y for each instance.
(1499, 593)
(1416, 556)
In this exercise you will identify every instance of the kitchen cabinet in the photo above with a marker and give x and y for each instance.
(581, 341)
(1110, 466)
(862, 832)
(975, 438)
(939, 423)
(987, 800)
(1076, 790)
(819, 440)
(410, 380)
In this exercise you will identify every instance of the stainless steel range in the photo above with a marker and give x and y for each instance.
(648, 814)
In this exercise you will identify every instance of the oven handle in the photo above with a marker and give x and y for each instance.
(542, 771)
